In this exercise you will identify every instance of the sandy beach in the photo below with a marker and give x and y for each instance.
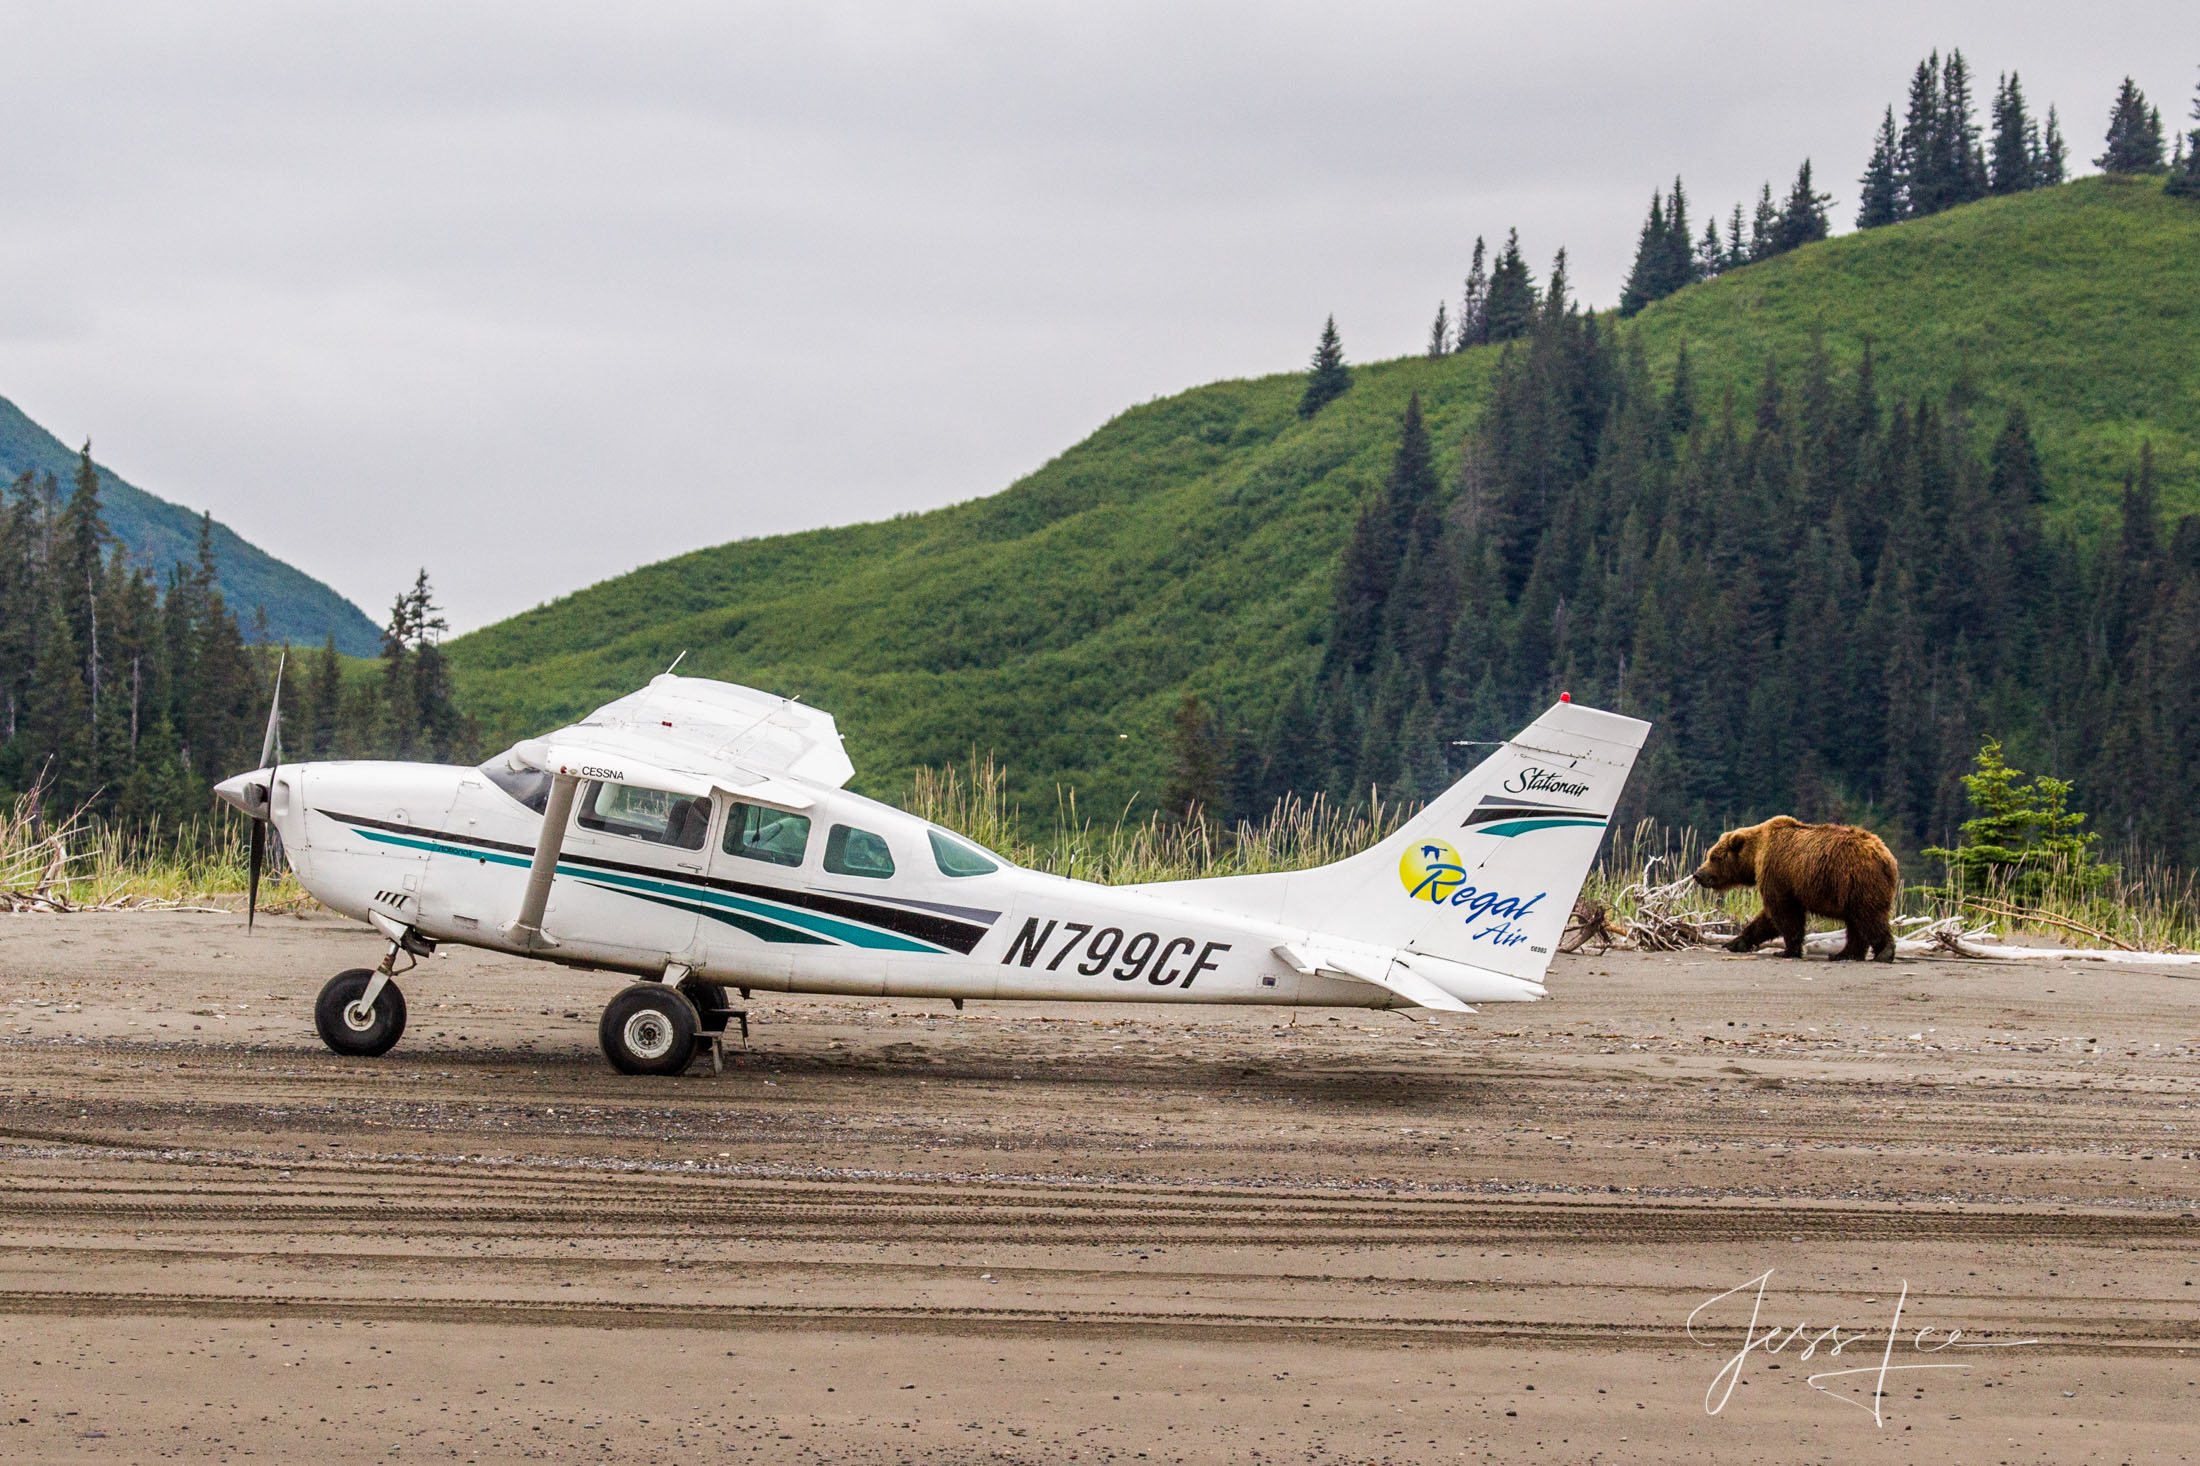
(891, 1232)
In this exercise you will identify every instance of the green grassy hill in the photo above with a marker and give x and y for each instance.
(1192, 541)
(299, 608)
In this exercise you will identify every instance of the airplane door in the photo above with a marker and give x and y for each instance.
(746, 936)
(629, 883)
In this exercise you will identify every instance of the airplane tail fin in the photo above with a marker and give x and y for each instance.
(1487, 873)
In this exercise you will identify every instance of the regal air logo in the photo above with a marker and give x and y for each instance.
(1431, 871)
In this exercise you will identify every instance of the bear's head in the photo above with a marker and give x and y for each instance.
(1733, 861)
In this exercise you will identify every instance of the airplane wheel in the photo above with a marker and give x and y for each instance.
(649, 1029)
(349, 1030)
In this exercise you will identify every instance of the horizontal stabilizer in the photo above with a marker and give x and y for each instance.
(1390, 976)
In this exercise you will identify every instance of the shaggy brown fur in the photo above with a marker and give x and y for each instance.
(1803, 871)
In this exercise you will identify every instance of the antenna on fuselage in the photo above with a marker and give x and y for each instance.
(676, 661)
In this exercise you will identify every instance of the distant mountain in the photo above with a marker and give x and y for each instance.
(1194, 541)
(299, 608)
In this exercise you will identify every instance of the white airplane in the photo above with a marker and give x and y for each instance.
(696, 835)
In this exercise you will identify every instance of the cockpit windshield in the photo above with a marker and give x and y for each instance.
(530, 787)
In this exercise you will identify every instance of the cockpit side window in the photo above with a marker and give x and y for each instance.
(656, 815)
(957, 858)
(754, 832)
(853, 852)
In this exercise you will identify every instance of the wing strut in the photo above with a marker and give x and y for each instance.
(556, 815)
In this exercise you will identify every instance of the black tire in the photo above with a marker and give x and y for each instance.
(649, 1028)
(333, 1015)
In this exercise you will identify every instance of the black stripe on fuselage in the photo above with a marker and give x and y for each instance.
(957, 936)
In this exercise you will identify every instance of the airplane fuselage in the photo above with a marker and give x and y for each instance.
(860, 900)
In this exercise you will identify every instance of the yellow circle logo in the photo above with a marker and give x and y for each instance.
(1431, 871)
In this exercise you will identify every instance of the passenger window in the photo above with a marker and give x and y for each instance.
(756, 833)
(656, 815)
(853, 852)
(955, 858)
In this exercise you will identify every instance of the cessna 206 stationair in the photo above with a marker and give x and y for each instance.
(696, 835)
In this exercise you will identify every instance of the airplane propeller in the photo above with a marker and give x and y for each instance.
(259, 821)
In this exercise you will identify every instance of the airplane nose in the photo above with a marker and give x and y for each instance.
(246, 792)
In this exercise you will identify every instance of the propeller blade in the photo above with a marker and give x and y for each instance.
(274, 716)
(252, 879)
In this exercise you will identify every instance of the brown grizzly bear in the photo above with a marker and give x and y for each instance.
(1809, 870)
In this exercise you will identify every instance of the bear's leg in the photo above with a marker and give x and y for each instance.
(1881, 934)
(1760, 930)
(1858, 946)
(1792, 921)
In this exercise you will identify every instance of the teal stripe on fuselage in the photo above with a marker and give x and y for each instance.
(807, 926)
(764, 931)
(826, 926)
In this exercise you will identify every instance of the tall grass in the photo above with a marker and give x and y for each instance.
(973, 800)
(80, 863)
(2146, 905)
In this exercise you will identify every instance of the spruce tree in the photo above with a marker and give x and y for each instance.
(1412, 488)
(1194, 792)
(1511, 305)
(57, 723)
(2015, 164)
(2054, 153)
(400, 718)
(2024, 839)
(1881, 184)
(2134, 134)
(324, 694)
(1923, 161)
(1710, 252)
(1737, 252)
(1803, 221)
(1557, 299)
(1764, 227)
(1328, 378)
(441, 729)
(1964, 163)
(1646, 281)
(79, 550)
(1474, 325)
(2184, 180)
(1439, 332)
(1680, 256)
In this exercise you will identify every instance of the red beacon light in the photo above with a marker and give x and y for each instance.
(1565, 697)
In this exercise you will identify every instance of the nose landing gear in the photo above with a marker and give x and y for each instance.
(360, 1013)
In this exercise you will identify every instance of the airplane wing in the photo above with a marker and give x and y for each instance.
(680, 730)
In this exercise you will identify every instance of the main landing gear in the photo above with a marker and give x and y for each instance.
(649, 1028)
(656, 1027)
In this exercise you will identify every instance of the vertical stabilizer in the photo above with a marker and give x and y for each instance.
(1486, 874)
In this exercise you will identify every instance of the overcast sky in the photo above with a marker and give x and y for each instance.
(531, 294)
